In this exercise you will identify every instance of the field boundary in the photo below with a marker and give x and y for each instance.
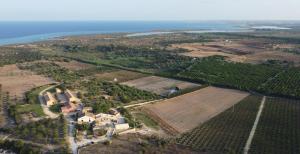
(251, 135)
(165, 126)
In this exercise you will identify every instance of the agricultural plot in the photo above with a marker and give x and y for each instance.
(159, 85)
(17, 82)
(227, 132)
(74, 65)
(285, 84)
(216, 70)
(186, 112)
(119, 75)
(278, 130)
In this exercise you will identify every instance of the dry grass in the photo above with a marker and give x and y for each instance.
(17, 82)
(186, 112)
(74, 65)
(120, 75)
(131, 144)
(250, 51)
(159, 85)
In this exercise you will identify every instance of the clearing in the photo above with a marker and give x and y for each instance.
(159, 85)
(120, 75)
(17, 82)
(74, 65)
(186, 112)
(248, 51)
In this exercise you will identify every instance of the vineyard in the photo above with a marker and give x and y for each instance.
(285, 84)
(278, 130)
(216, 70)
(227, 132)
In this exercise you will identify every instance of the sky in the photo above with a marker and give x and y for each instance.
(57, 10)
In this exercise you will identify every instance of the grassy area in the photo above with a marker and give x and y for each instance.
(32, 96)
(227, 132)
(27, 108)
(144, 118)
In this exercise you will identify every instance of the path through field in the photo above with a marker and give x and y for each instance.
(250, 138)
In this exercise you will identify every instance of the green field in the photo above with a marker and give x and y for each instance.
(144, 118)
(27, 108)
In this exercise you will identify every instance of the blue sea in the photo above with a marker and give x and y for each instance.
(26, 32)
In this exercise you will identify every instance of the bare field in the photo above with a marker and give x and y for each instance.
(120, 75)
(74, 65)
(186, 112)
(159, 85)
(250, 51)
(17, 82)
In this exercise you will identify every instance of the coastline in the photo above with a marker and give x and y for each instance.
(53, 36)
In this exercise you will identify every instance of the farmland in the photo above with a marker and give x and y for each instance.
(227, 132)
(279, 128)
(253, 51)
(159, 85)
(216, 71)
(120, 75)
(73, 65)
(191, 72)
(284, 84)
(17, 82)
(186, 112)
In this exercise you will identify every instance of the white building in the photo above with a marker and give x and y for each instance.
(85, 119)
(121, 126)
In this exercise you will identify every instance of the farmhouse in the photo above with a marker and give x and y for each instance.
(69, 107)
(86, 119)
(70, 97)
(49, 99)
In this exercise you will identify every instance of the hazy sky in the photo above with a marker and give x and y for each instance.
(149, 9)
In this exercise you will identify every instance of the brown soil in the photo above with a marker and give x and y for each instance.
(250, 51)
(17, 82)
(186, 112)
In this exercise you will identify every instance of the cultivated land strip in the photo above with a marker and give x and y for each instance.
(250, 138)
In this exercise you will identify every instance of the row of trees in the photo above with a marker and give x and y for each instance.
(227, 132)
(284, 84)
(47, 131)
(215, 70)
(278, 130)
(96, 88)
(13, 55)
(19, 147)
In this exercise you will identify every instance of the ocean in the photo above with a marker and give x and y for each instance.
(26, 32)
